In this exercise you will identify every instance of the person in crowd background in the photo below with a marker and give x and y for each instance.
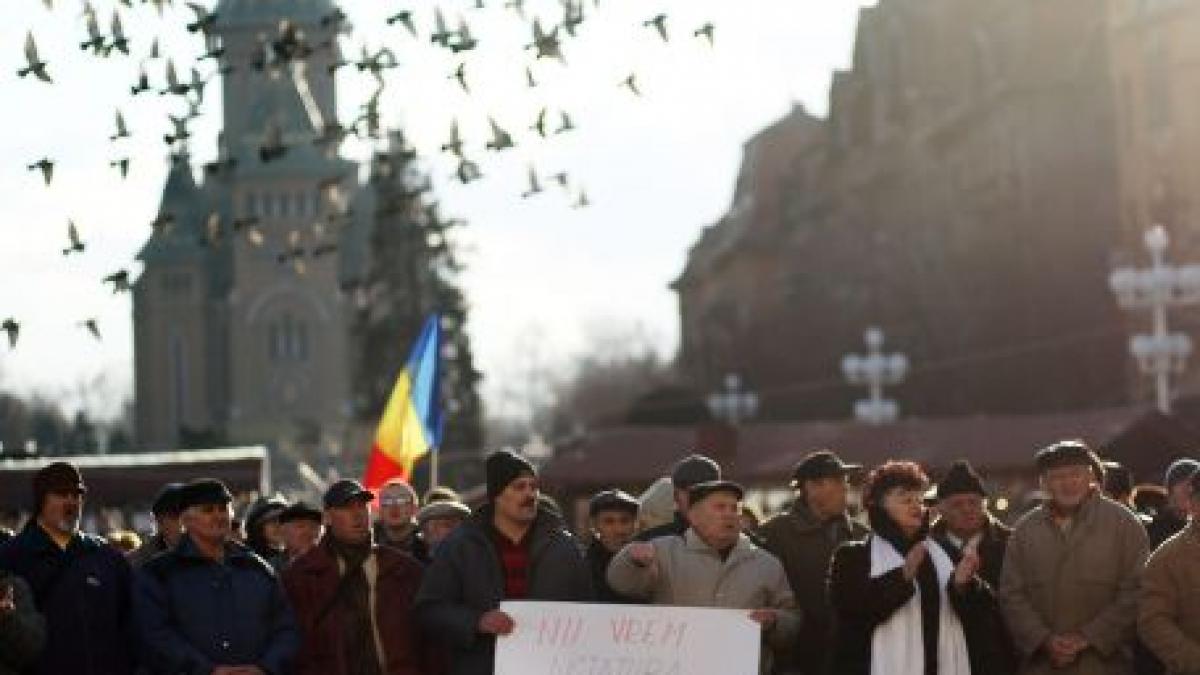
(22, 628)
(300, 525)
(80, 584)
(167, 525)
(1173, 516)
(612, 519)
(689, 471)
(435, 522)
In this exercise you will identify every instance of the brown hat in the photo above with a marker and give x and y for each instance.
(56, 477)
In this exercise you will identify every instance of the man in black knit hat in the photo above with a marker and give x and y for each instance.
(509, 549)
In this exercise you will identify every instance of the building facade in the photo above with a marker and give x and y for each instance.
(962, 194)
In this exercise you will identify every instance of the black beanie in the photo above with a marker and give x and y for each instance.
(960, 479)
(56, 476)
(503, 467)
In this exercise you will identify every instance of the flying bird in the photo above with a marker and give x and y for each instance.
(204, 19)
(13, 329)
(560, 178)
(582, 202)
(465, 41)
(460, 74)
(518, 6)
(122, 130)
(119, 280)
(529, 78)
(180, 132)
(74, 244)
(404, 17)
(566, 124)
(46, 166)
(501, 139)
(467, 171)
(33, 63)
(122, 165)
(174, 86)
(705, 31)
(441, 35)
(92, 327)
(119, 41)
(455, 144)
(95, 41)
(631, 83)
(540, 125)
(142, 85)
(535, 186)
(659, 23)
(546, 44)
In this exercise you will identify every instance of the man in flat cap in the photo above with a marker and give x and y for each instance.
(612, 515)
(354, 597)
(804, 539)
(435, 522)
(300, 524)
(211, 605)
(1069, 582)
(80, 584)
(687, 472)
(1174, 516)
(712, 565)
(509, 549)
(168, 527)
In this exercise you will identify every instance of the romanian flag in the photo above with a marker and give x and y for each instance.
(411, 423)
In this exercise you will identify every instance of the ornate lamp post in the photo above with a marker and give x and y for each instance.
(875, 370)
(1158, 287)
(732, 404)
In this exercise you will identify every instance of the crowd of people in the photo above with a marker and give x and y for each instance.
(924, 581)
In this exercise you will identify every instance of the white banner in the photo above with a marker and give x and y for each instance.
(567, 638)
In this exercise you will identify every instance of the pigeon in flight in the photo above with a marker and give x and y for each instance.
(540, 125)
(119, 280)
(404, 17)
(74, 244)
(460, 74)
(501, 139)
(46, 166)
(659, 23)
(121, 165)
(122, 130)
(13, 329)
(535, 186)
(33, 63)
(631, 83)
(566, 124)
(705, 31)
(92, 327)
(455, 144)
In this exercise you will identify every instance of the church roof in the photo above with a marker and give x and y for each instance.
(244, 12)
(186, 204)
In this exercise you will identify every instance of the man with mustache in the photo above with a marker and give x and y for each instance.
(353, 597)
(509, 549)
(80, 583)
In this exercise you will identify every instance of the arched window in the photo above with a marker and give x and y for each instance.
(287, 339)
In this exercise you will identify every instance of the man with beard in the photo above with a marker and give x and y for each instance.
(613, 515)
(804, 539)
(1069, 583)
(353, 598)
(80, 583)
(211, 605)
(509, 549)
(167, 526)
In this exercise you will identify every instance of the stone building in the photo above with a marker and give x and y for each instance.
(961, 194)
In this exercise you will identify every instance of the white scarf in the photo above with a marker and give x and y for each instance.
(896, 644)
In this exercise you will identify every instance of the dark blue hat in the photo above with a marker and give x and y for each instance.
(203, 491)
(167, 502)
(346, 491)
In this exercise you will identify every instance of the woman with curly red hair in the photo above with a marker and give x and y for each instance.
(899, 601)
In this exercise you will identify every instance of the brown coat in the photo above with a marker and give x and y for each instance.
(1169, 610)
(312, 580)
(1084, 579)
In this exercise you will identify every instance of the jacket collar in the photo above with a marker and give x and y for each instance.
(187, 549)
(36, 539)
(1082, 514)
(807, 521)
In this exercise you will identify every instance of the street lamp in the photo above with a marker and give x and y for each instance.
(875, 370)
(1161, 353)
(732, 404)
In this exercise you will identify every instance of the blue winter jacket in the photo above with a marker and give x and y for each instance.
(83, 593)
(194, 614)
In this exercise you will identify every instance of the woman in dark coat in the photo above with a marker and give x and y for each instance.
(899, 595)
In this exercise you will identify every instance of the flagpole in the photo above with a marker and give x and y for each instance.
(433, 468)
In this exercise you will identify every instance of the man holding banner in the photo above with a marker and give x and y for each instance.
(712, 565)
(510, 549)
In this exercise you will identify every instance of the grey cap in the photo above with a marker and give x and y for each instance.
(442, 509)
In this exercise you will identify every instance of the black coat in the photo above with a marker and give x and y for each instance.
(83, 593)
(194, 614)
(861, 603)
(466, 579)
(598, 559)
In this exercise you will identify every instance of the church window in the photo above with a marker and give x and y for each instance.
(287, 340)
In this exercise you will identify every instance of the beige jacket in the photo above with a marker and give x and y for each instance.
(687, 572)
(1083, 579)
(1169, 609)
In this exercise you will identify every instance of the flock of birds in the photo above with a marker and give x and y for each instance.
(287, 54)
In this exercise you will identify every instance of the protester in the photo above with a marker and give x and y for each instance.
(435, 522)
(167, 526)
(1069, 584)
(264, 532)
(397, 524)
(353, 598)
(441, 493)
(22, 628)
(714, 564)
(300, 525)
(1168, 612)
(804, 538)
(966, 525)
(211, 602)
(901, 604)
(612, 516)
(689, 471)
(80, 584)
(1173, 517)
(507, 550)
(750, 518)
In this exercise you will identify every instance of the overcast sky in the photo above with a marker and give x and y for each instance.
(657, 168)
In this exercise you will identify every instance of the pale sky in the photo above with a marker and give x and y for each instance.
(657, 168)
